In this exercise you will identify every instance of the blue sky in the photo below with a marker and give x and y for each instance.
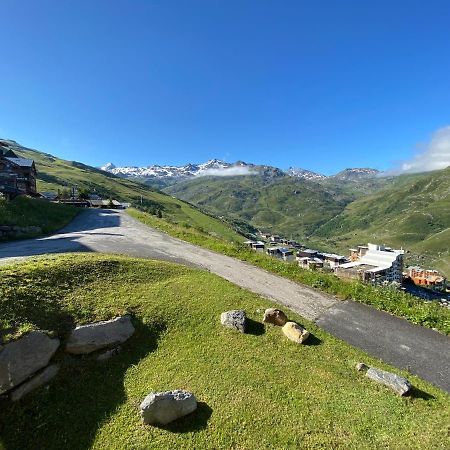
(322, 85)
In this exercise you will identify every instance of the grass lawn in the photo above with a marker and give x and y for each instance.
(25, 211)
(429, 314)
(256, 391)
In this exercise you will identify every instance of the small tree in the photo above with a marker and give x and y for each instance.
(159, 214)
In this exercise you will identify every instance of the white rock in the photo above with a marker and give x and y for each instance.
(22, 358)
(38, 380)
(161, 408)
(108, 354)
(95, 336)
(398, 384)
(234, 319)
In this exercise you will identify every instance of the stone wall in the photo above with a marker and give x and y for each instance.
(14, 231)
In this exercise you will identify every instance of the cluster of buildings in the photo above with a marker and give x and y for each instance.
(290, 250)
(17, 175)
(91, 201)
(371, 263)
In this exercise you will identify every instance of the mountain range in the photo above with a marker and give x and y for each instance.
(157, 174)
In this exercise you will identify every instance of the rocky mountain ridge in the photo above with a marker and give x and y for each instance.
(217, 167)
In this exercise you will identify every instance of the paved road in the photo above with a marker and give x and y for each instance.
(422, 351)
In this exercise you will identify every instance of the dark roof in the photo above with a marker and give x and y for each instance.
(22, 162)
(5, 151)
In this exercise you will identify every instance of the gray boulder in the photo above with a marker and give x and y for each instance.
(22, 358)
(161, 408)
(38, 380)
(95, 336)
(234, 319)
(397, 383)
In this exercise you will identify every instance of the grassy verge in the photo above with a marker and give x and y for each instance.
(26, 212)
(428, 314)
(256, 390)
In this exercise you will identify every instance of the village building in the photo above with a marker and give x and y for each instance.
(332, 259)
(427, 278)
(274, 251)
(309, 263)
(258, 246)
(374, 263)
(17, 175)
(114, 204)
(287, 254)
(308, 253)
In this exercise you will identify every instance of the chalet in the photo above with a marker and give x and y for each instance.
(258, 246)
(307, 252)
(309, 263)
(286, 254)
(17, 175)
(333, 260)
(274, 251)
(114, 204)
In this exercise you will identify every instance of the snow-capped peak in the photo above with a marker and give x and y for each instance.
(108, 167)
(305, 174)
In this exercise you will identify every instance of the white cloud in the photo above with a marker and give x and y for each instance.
(232, 171)
(435, 156)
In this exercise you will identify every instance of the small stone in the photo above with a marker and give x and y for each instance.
(22, 358)
(361, 367)
(275, 316)
(38, 380)
(235, 319)
(95, 336)
(295, 332)
(161, 408)
(398, 384)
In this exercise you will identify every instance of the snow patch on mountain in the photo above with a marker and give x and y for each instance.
(219, 168)
(305, 174)
(356, 173)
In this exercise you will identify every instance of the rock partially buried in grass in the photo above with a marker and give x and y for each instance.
(235, 319)
(37, 381)
(398, 384)
(295, 332)
(22, 358)
(275, 316)
(95, 336)
(161, 408)
(108, 354)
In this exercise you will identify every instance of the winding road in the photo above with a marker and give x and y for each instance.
(422, 351)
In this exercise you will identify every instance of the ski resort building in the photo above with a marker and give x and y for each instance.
(373, 264)
(17, 175)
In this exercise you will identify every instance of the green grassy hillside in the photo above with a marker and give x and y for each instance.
(255, 390)
(55, 173)
(31, 212)
(291, 206)
(413, 212)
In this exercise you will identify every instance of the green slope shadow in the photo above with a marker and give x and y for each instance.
(81, 398)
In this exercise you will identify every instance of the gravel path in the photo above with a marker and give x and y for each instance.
(422, 351)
